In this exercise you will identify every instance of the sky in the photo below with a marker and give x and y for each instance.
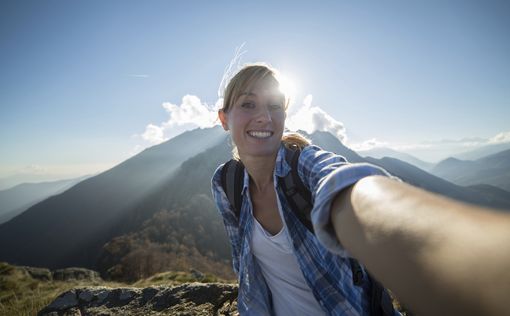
(85, 85)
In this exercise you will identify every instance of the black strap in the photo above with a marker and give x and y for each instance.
(232, 176)
(357, 272)
(296, 193)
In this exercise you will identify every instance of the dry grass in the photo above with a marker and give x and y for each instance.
(20, 294)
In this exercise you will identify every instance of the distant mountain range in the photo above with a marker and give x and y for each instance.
(381, 152)
(493, 170)
(491, 197)
(16, 200)
(155, 209)
(483, 151)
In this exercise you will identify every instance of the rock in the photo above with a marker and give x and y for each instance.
(65, 301)
(197, 274)
(75, 274)
(85, 296)
(185, 299)
(39, 273)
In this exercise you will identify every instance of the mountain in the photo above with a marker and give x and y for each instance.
(489, 196)
(329, 142)
(15, 200)
(154, 212)
(382, 152)
(70, 229)
(184, 229)
(429, 182)
(492, 193)
(493, 170)
(482, 151)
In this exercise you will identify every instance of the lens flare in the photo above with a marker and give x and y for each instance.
(287, 86)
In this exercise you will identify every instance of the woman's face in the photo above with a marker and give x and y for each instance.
(256, 120)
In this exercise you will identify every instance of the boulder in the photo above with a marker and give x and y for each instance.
(75, 274)
(41, 274)
(184, 299)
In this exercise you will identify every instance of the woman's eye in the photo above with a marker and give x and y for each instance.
(248, 105)
(275, 106)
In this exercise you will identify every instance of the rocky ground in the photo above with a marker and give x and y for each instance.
(28, 291)
(185, 299)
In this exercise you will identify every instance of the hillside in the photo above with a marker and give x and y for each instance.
(70, 229)
(16, 200)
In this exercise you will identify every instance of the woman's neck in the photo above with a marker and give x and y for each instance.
(260, 170)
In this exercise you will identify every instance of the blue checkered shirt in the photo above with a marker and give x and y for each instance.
(324, 263)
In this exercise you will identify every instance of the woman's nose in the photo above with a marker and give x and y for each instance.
(264, 115)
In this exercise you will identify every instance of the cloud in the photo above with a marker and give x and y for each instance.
(500, 138)
(467, 141)
(435, 150)
(153, 134)
(33, 169)
(191, 111)
(368, 144)
(190, 114)
(310, 118)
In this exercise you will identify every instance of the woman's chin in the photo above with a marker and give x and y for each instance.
(269, 151)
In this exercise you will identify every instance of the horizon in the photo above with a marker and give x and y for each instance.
(87, 85)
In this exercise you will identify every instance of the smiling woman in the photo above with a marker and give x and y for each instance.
(258, 96)
(256, 119)
(283, 268)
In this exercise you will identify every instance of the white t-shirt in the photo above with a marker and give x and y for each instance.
(291, 295)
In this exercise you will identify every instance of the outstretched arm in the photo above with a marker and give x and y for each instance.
(439, 256)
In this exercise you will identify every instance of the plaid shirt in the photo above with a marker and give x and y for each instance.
(325, 265)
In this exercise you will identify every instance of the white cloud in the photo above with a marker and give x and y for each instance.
(435, 150)
(503, 137)
(191, 111)
(153, 134)
(310, 118)
(368, 144)
(190, 114)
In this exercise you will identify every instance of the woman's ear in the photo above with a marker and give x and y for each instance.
(224, 119)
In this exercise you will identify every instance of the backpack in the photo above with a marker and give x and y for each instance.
(300, 200)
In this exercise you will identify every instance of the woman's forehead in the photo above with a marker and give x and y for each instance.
(265, 87)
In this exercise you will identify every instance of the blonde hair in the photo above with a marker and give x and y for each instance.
(243, 81)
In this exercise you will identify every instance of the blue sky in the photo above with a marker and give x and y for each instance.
(80, 81)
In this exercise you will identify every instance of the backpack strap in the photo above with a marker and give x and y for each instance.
(357, 272)
(297, 195)
(380, 300)
(232, 176)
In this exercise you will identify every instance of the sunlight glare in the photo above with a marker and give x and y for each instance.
(287, 86)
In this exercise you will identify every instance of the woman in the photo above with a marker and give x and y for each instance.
(283, 268)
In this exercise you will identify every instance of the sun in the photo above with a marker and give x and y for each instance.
(287, 86)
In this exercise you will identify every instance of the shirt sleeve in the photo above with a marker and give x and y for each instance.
(326, 174)
(230, 220)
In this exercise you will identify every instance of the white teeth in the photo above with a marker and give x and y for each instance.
(259, 134)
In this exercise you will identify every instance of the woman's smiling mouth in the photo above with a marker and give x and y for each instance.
(260, 134)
